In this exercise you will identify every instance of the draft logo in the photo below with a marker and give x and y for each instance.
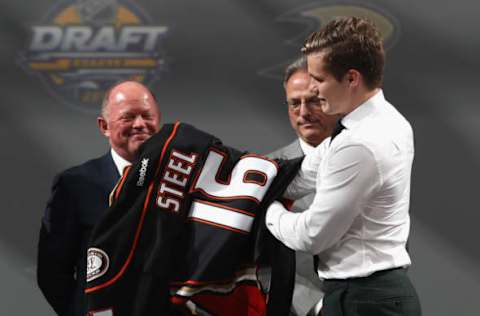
(82, 47)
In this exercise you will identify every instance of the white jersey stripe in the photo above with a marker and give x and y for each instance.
(222, 216)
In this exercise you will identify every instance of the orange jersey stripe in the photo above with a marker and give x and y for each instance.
(140, 224)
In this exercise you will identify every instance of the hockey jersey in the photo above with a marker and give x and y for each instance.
(184, 234)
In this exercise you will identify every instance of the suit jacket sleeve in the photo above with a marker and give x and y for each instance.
(58, 247)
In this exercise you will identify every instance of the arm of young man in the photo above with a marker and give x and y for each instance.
(346, 181)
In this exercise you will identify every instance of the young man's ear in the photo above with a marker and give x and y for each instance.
(103, 126)
(353, 77)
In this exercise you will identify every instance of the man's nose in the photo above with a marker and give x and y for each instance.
(139, 122)
(304, 109)
(312, 86)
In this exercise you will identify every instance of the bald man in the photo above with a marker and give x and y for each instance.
(129, 116)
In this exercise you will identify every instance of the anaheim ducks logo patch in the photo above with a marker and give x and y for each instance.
(97, 263)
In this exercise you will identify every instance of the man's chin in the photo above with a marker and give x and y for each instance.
(313, 138)
(136, 143)
(139, 138)
(308, 130)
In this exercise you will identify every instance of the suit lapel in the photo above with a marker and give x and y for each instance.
(109, 173)
(293, 150)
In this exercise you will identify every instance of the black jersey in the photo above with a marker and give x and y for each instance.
(185, 235)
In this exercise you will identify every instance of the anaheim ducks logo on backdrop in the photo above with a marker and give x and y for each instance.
(314, 16)
(82, 47)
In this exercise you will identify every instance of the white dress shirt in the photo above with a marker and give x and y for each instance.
(119, 161)
(358, 222)
(306, 147)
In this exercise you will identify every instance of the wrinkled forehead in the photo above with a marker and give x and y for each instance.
(303, 94)
(299, 80)
(118, 96)
(125, 102)
(299, 84)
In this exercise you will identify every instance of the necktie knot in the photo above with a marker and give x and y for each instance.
(338, 128)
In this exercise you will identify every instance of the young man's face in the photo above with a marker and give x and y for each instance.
(334, 94)
(305, 110)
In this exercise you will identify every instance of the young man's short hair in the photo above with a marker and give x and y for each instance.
(350, 43)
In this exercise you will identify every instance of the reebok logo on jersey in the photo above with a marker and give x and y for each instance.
(143, 172)
(97, 263)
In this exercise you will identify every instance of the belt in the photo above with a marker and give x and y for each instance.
(373, 275)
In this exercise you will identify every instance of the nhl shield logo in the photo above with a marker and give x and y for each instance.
(97, 263)
(82, 47)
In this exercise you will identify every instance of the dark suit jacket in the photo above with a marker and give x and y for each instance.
(307, 284)
(78, 199)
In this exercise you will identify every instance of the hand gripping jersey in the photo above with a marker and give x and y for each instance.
(185, 233)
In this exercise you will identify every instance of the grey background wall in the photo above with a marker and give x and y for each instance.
(223, 60)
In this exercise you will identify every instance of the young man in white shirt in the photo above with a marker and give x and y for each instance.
(358, 223)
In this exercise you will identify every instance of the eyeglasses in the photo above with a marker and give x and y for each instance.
(312, 103)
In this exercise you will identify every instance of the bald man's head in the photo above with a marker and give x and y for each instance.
(130, 115)
(123, 87)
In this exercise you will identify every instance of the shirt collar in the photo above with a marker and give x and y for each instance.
(363, 110)
(306, 148)
(119, 161)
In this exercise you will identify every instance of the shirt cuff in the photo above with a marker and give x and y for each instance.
(272, 218)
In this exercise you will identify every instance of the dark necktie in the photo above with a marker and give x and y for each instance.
(338, 128)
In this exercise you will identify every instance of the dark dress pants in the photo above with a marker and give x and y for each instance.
(384, 293)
